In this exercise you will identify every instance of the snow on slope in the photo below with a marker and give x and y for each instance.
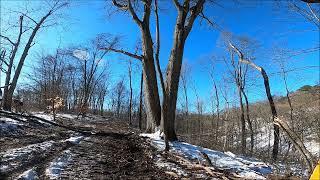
(248, 168)
(265, 138)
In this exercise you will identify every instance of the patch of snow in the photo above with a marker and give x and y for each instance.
(30, 174)
(12, 158)
(69, 116)
(9, 126)
(265, 137)
(3, 168)
(13, 153)
(250, 175)
(43, 115)
(10, 121)
(162, 164)
(314, 147)
(57, 165)
(74, 140)
(155, 136)
(245, 167)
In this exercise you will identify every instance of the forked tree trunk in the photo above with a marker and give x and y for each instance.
(151, 94)
(182, 29)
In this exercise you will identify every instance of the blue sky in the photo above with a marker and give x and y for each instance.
(263, 21)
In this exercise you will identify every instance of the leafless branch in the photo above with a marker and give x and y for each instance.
(8, 39)
(241, 57)
(211, 23)
(139, 57)
(313, 13)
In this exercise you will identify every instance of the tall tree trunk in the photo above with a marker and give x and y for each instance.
(242, 120)
(276, 131)
(158, 46)
(171, 85)
(152, 101)
(182, 29)
(7, 97)
(140, 103)
(8, 102)
(130, 100)
(217, 108)
(249, 121)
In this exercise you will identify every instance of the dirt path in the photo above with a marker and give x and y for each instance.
(111, 151)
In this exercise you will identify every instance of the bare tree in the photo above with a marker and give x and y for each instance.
(279, 59)
(90, 59)
(216, 103)
(119, 92)
(187, 14)
(185, 72)
(38, 24)
(278, 122)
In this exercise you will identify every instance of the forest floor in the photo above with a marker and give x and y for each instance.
(107, 149)
(96, 147)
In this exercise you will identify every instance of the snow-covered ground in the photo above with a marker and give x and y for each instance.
(43, 115)
(314, 147)
(10, 158)
(8, 125)
(57, 165)
(244, 167)
(265, 138)
(74, 140)
(49, 117)
(30, 174)
(69, 116)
